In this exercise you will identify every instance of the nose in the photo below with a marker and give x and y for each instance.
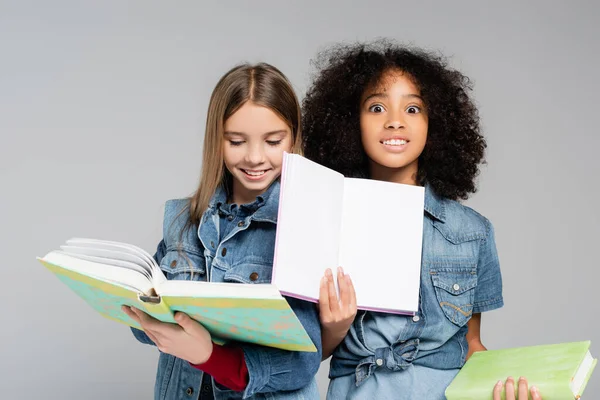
(394, 125)
(394, 121)
(255, 155)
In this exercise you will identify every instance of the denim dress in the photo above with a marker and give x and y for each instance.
(388, 356)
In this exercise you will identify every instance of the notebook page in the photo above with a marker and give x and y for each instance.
(381, 240)
(308, 226)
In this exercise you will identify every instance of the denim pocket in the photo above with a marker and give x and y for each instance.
(455, 291)
(220, 392)
(183, 265)
(250, 270)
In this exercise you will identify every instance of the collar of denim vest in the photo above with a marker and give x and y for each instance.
(266, 205)
(434, 204)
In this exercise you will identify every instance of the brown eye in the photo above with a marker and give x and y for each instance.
(413, 110)
(376, 108)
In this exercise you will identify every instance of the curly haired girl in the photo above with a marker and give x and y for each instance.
(387, 112)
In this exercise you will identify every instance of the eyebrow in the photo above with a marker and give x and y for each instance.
(264, 134)
(384, 95)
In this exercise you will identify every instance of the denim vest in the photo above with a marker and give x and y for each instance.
(242, 254)
(460, 275)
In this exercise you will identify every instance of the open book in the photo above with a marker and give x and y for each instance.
(110, 274)
(373, 229)
(560, 371)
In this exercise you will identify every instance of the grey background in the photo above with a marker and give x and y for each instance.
(102, 108)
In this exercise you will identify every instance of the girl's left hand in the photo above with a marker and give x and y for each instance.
(188, 340)
(337, 315)
(523, 392)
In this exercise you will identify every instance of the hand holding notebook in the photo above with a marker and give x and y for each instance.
(373, 229)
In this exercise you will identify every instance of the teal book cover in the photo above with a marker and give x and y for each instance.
(265, 321)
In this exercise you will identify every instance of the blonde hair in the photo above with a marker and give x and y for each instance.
(263, 85)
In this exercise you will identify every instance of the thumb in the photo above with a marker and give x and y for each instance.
(190, 326)
(185, 322)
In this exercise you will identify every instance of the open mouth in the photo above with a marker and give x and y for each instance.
(254, 174)
(394, 142)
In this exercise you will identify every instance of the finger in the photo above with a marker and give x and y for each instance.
(535, 393)
(510, 388)
(523, 390)
(498, 391)
(144, 318)
(153, 338)
(334, 304)
(129, 312)
(159, 329)
(344, 290)
(352, 302)
(324, 311)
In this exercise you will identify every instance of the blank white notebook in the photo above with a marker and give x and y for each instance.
(373, 229)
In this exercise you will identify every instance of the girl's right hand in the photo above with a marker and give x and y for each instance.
(336, 315)
(510, 390)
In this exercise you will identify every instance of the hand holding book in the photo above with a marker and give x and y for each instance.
(187, 339)
(522, 390)
(109, 274)
(559, 371)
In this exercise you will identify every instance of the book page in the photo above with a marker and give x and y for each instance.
(105, 272)
(583, 373)
(111, 257)
(157, 275)
(107, 261)
(381, 240)
(308, 226)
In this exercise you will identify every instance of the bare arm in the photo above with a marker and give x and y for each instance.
(474, 336)
(474, 342)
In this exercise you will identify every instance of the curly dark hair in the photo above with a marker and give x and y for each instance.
(454, 149)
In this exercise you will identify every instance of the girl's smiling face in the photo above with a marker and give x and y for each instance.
(255, 138)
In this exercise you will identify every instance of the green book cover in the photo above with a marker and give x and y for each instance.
(560, 371)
